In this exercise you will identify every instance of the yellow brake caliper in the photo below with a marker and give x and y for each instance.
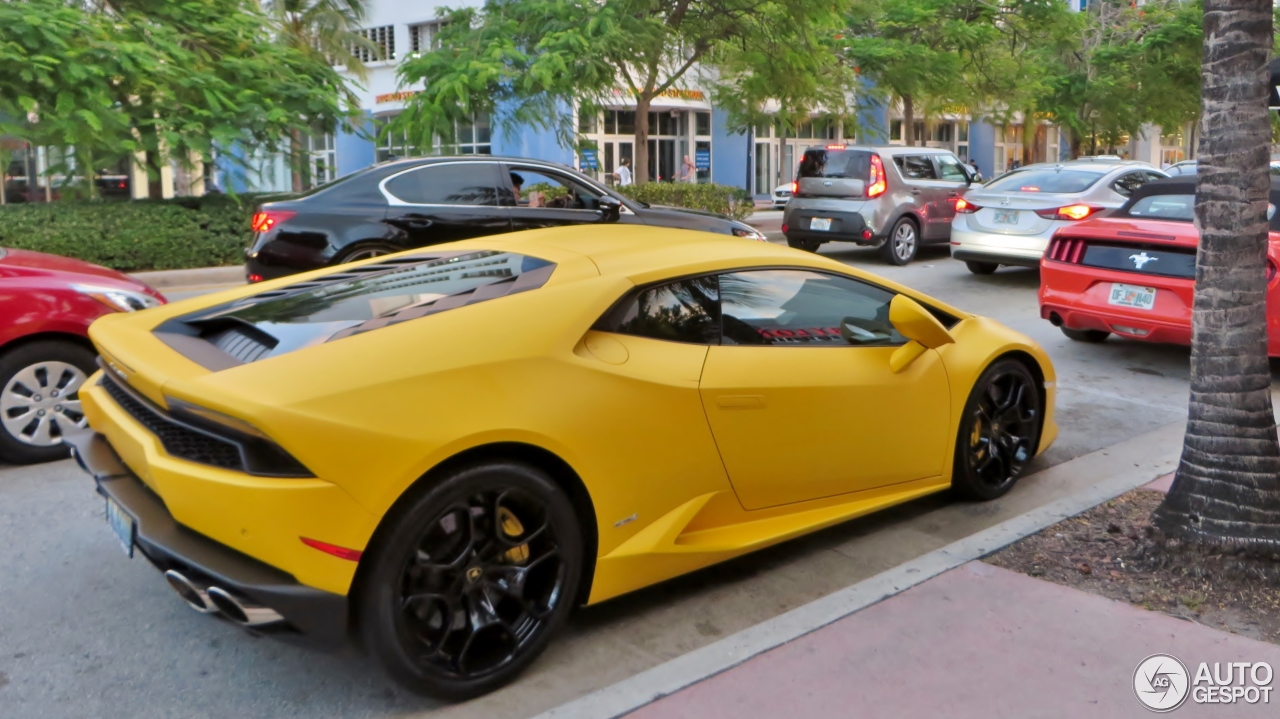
(977, 435)
(512, 527)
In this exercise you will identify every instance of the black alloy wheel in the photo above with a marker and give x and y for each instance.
(806, 245)
(999, 431)
(364, 251)
(472, 580)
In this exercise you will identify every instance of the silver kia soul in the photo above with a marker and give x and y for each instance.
(891, 197)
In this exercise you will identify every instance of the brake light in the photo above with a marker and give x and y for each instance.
(965, 206)
(267, 219)
(1070, 212)
(795, 187)
(255, 278)
(836, 147)
(1066, 249)
(876, 184)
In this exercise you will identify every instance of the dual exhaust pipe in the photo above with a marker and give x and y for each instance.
(216, 600)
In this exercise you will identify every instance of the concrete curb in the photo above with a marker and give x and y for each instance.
(186, 279)
(1126, 465)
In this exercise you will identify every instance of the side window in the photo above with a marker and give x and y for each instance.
(915, 167)
(804, 309)
(684, 311)
(950, 169)
(534, 188)
(451, 183)
(1127, 183)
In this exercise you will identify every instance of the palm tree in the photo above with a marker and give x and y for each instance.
(328, 30)
(1226, 493)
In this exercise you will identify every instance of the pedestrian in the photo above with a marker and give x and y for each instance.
(977, 174)
(688, 173)
(624, 172)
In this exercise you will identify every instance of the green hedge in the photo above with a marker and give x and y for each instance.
(721, 199)
(132, 235)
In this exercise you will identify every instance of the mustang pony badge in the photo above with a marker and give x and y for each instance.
(1141, 259)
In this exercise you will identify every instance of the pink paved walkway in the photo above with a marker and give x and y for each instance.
(978, 641)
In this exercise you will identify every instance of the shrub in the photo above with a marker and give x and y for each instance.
(720, 199)
(135, 234)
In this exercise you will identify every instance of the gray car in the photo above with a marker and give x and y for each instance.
(1009, 220)
(893, 197)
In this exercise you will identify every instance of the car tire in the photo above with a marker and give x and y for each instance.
(806, 245)
(39, 398)
(1090, 336)
(981, 268)
(364, 251)
(999, 431)
(418, 618)
(903, 242)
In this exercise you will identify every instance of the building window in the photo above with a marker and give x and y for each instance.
(703, 120)
(473, 137)
(323, 158)
(895, 130)
(422, 37)
(588, 122)
(384, 40)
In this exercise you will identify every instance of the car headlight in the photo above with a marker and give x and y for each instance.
(117, 299)
(749, 232)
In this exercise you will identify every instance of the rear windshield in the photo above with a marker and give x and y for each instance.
(317, 314)
(1045, 180)
(822, 162)
(1165, 207)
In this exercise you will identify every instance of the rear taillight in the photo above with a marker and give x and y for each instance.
(267, 219)
(1066, 249)
(966, 207)
(1070, 212)
(255, 278)
(876, 184)
(795, 187)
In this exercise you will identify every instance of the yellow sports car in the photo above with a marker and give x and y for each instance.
(444, 451)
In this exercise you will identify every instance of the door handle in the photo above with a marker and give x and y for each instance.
(740, 401)
(915, 192)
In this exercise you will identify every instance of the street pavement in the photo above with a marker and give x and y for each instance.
(84, 632)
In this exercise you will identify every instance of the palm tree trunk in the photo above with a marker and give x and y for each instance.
(1226, 493)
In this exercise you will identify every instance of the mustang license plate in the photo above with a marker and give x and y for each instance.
(1144, 298)
(122, 525)
(820, 224)
(1006, 218)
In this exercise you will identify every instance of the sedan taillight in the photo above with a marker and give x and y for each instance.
(1070, 212)
(265, 220)
(965, 207)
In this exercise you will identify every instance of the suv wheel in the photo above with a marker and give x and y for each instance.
(903, 242)
(806, 245)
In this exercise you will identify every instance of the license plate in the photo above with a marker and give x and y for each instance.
(1006, 218)
(820, 224)
(122, 525)
(1144, 298)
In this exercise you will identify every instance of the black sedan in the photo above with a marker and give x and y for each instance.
(411, 203)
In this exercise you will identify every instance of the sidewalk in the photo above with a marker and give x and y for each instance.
(977, 641)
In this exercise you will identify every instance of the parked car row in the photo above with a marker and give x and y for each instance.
(898, 198)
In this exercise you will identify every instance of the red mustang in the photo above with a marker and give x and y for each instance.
(1132, 272)
(46, 305)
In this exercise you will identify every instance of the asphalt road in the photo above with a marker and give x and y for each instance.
(84, 632)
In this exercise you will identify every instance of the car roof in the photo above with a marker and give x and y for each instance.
(408, 162)
(1090, 164)
(644, 254)
(885, 149)
(1186, 185)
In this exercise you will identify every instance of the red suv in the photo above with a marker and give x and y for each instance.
(46, 305)
(1132, 273)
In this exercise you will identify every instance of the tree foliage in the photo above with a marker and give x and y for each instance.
(530, 62)
(172, 78)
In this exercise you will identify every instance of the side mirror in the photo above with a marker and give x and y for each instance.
(919, 326)
(610, 208)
